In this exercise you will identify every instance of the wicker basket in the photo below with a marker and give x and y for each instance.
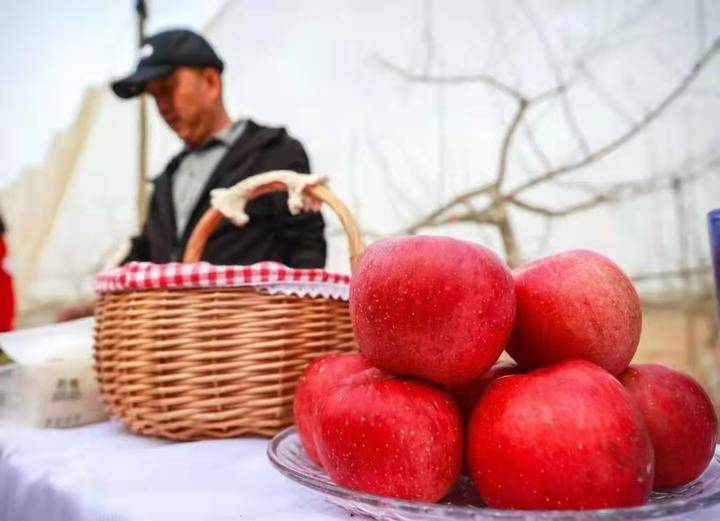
(197, 363)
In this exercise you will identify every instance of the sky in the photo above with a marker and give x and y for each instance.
(53, 50)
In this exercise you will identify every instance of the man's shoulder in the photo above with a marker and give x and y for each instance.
(267, 135)
(279, 148)
(255, 136)
(275, 141)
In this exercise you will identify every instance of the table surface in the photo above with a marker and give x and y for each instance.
(102, 472)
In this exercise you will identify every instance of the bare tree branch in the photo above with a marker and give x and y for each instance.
(595, 85)
(542, 156)
(432, 218)
(613, 145)
(585, 187)
(552, 61)
(495, 213)
(413, 77)
(624, 191)
(552, 212)
(498, 199)
(550, 93)
(468, 217)
(559, 89)
(636, 16)
(689, 170)
(513, 255)
(620, 30)
(507, 140)
(501, 24)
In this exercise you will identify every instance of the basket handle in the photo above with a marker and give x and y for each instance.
(313, 191)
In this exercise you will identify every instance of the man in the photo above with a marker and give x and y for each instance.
(183, 74)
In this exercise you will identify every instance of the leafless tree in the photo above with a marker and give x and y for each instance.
(490, 203)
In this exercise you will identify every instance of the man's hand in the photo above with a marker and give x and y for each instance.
(75, 312)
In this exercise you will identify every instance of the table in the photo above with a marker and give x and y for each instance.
(102, 472)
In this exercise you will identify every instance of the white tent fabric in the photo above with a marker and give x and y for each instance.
(68, 217)
(395, 150)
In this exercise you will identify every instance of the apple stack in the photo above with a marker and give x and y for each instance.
(570, 425)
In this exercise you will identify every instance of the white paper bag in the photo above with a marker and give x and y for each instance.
(52, 382)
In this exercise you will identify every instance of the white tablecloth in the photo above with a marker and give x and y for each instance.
(103, 473)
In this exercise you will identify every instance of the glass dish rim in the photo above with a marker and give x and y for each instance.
(649, 510)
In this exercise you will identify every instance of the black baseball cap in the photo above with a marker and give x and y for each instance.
(161, 53)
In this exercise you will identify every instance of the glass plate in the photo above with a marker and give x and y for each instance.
(286, 453)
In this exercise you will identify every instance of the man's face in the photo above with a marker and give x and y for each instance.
(184, 99)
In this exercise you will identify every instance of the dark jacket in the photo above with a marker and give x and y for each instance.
(271, 234)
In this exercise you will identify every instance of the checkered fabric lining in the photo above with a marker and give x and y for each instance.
(273, 276)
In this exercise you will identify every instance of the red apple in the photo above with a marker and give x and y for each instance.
(467, 394)
(433, 307)
(391, 436)
(576, 305)
(680, 418)
(314, 386)
(563, 437)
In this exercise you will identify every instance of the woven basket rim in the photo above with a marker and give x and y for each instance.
(273, 276)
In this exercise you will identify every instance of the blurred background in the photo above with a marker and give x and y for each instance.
(530, 126)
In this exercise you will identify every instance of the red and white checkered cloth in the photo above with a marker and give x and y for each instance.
(273, 276)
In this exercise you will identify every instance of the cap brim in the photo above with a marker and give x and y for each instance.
(133, 85)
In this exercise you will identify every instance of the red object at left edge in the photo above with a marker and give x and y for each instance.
(7, 298)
